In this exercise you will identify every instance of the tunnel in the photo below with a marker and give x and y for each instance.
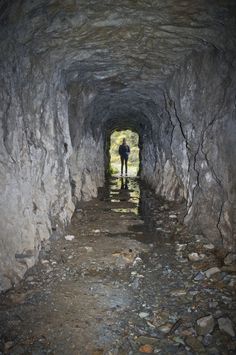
(74, 71)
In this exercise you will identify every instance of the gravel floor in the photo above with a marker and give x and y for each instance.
(126, 278)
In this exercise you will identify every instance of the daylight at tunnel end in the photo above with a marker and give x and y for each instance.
(73, 72)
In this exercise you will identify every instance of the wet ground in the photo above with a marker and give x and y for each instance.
(127, 278)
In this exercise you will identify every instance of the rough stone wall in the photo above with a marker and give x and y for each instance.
(201, 106)
(191, 152)
(165, 69)
(34, 177)
(87, 168)
(86, 164)
(159, 168)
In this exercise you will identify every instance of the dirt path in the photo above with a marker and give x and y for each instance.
(124, 284)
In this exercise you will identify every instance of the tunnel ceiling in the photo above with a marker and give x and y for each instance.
(119, 54)
(133, 44)
(125, 109)
(125, 52)
(72, 71)
(121, 46)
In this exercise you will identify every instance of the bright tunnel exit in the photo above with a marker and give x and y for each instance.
(132, 141)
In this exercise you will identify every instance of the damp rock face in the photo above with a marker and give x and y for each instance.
(73, 71)
(200, 103)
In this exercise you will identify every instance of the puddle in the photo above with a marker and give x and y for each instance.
(123, 280)
(125, 210)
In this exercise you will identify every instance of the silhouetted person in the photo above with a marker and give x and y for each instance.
(124, 151)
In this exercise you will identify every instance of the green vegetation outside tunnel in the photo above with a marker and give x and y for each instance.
(132, 139)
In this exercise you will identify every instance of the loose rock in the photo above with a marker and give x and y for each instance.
(205, 325)
(88, 249)
(207, 340)
(148, 349)
(8, 345)
(230, 259)
(195, 345)
(143, 315)
(199, 276)
(165, 328)
(231, 269)
(69, 237)
(194, 257)
(209, 246)
(226, 325)
(212, 271)
(179, 292)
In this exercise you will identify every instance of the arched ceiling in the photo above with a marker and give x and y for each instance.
(120, 54)
(116, 45)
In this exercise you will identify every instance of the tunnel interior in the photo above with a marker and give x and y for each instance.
(167, 72)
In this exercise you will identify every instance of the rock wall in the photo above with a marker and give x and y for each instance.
(87, 168)
(72, 71)
(201, 104)
(86, 164)
(39, 165)
(198, 165)
(34, 177)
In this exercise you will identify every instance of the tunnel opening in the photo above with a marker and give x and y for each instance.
(137, 129)
(155, 255)
(59, 112)
(132, 139)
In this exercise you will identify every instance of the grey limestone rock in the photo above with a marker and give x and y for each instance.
(205, 325)
(71, 77)
(226, 325)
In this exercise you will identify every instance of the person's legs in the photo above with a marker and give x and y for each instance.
(122, 164)
(126, 166)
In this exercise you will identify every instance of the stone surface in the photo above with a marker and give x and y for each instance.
(199, 276)
(69, 237)
(148, 349)
(226, 325)
(207, 340)
(209, 246)
(81, 301)
(74, 71)
(229, 268)
(195, 345)
(143, 315)
(148, 340)
(178, 293)
(212, 271)
(194, 257)
(230, 259)
(205, 325)
(165, 328)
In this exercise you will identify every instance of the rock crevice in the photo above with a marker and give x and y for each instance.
(73, 71)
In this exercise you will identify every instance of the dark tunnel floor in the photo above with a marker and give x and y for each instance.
(123, 285)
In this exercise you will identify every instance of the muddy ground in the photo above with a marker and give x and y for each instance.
(126, 278)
